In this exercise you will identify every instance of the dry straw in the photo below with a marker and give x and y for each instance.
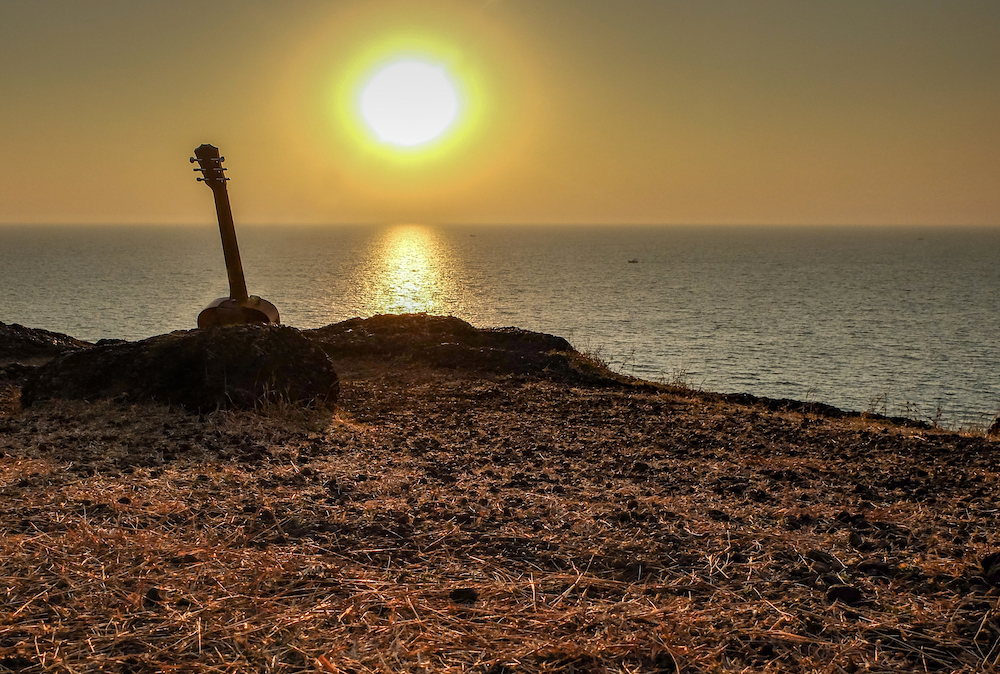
(437, 523)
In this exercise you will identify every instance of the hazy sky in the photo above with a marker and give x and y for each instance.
(625, 111)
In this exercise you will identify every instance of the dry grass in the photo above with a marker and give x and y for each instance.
(439, 523)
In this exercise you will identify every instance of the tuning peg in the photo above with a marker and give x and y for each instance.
(192, 160)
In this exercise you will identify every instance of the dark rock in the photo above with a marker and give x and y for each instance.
(874, 567)
(464, 595)
(825, 558)
(184, 560)
(17, 341)
(16, 663)
(399, 334)
(959, 585)
(449, 342)
(991, 568)
(16, 373)
(153, 597)
(200, 370)
(718, 515)
(796, 522)
(663, 663)
(846, 594)
(500, 669)
(979, 585)
(831, 579)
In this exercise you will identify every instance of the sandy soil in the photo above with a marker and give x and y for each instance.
(445, 521)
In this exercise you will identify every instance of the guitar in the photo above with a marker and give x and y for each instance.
(239, 307)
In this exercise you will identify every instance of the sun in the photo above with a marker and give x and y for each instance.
(409, 102)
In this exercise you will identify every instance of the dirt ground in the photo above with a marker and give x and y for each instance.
(444, 520)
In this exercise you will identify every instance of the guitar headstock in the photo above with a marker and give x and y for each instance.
(210, 165)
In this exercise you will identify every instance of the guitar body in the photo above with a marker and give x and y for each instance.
(227, 311)
(239, 307)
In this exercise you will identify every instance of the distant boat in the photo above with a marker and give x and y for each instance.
(633, 261)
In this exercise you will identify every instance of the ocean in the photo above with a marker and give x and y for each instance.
(900, 320)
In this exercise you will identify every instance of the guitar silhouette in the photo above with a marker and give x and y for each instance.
(239, 307)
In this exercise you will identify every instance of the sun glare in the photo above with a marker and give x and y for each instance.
(409, 111)
(409, 103)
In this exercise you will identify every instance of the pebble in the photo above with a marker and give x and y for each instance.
(874, 567)
(826, 558)
(991, 568)
(464, 595)
(719, 515)
(153, 597)
(183, 560)
(848, 594)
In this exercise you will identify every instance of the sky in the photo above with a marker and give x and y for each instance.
(576, 111)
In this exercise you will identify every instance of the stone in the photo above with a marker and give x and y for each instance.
(464, 595)
(18, 342)
(874, 567)
(449, 342)
(153, 597)
(16, 373)
(237, 366)
(823, 557)
(846, 594)
(718, 515)
(991, 568)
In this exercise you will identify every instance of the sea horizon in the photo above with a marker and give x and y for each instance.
(896, 319)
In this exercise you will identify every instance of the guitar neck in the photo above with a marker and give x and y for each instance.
(210, 164)
(230, 247)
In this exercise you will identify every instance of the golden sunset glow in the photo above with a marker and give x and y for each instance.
(510, 112)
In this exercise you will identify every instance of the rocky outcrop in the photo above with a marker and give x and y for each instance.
(239, 366)
(994, 428)
(446, 341)
(18, 342)
(200, 370)
(14, 373)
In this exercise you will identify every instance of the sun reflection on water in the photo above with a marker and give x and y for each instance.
(410, 271)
